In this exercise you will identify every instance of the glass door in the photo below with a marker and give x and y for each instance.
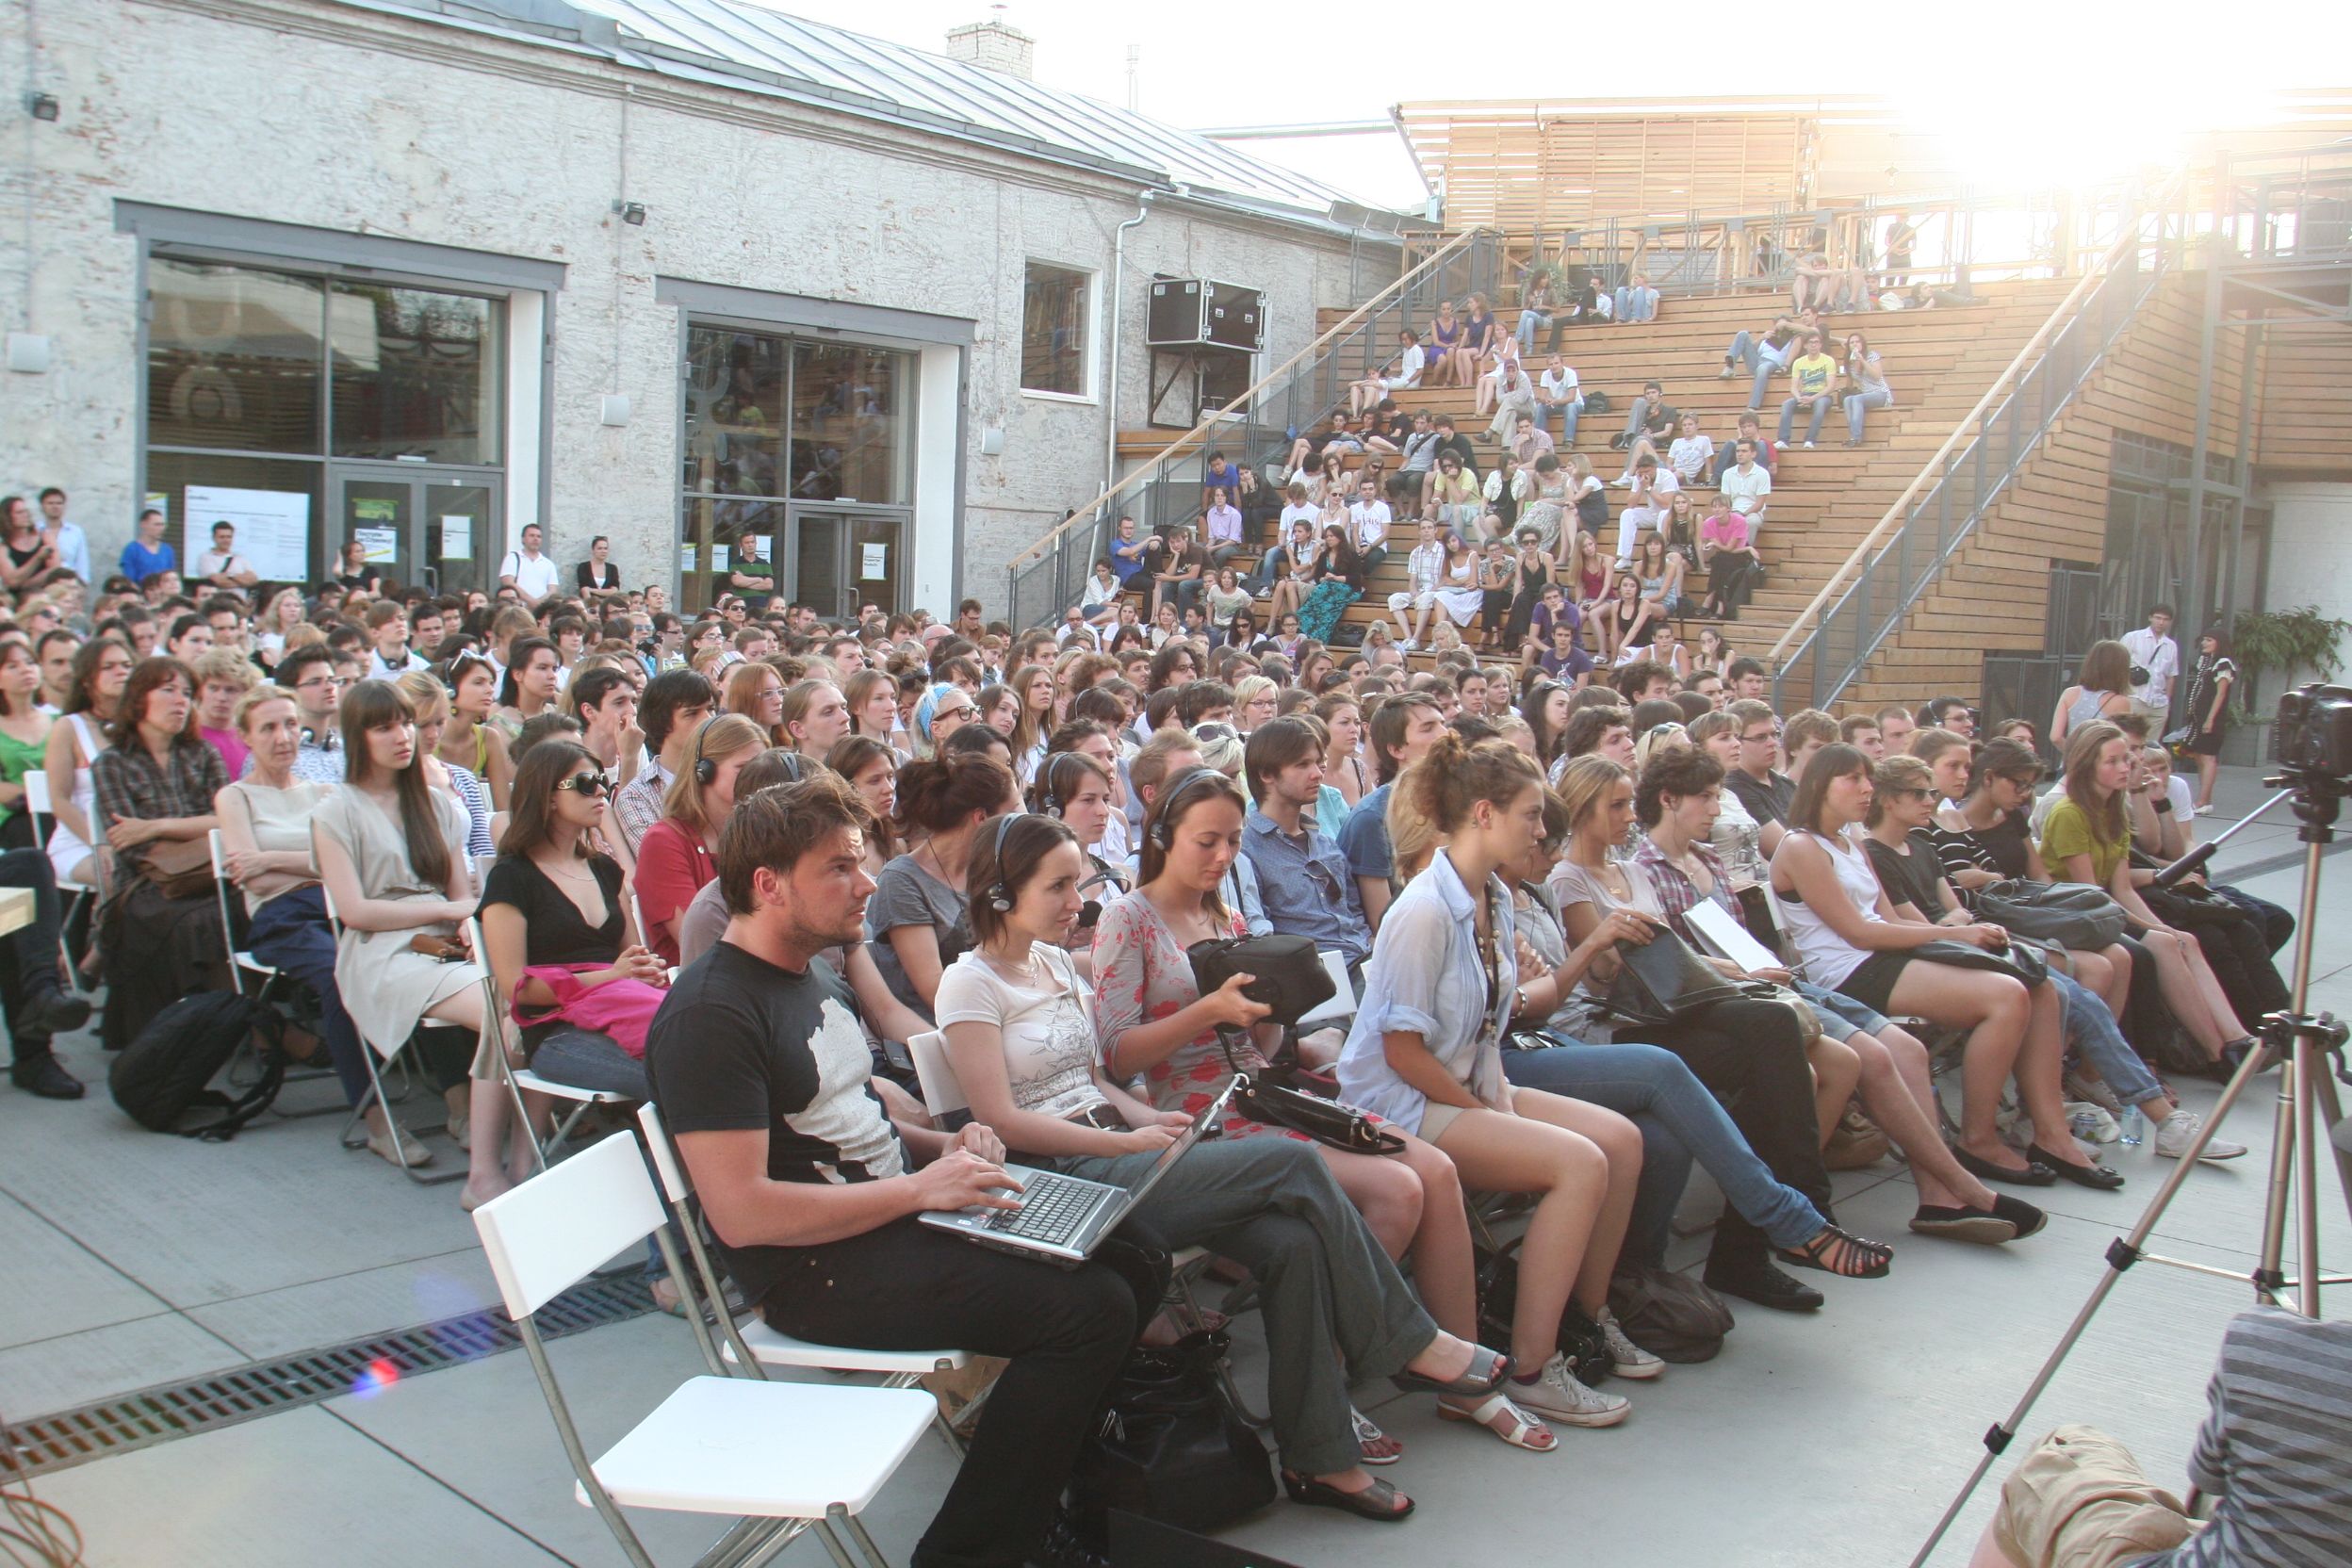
(840, 561)
(433, 529)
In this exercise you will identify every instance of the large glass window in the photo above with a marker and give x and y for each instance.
(415, 374)
(1053, 330)
(236, 357)
(771, 419)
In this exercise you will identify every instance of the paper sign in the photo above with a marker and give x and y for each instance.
(764, 543)
(686, 564)
(457, 537)
(1729, 937)
(382, 544)
(272, 527)
(718, 558)
(874, 563)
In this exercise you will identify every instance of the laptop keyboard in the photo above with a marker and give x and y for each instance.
(1050, 1212)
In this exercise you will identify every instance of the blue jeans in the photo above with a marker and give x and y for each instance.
(587, 1060)
(291, 933)
(1679, 1120)
(1767, 360)
(1528, 321)
(1789, 415)
(1635, 305)
(1859, 404)
(1569, 413)
(2090, 1029)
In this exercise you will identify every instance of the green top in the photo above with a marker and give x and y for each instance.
(16, 758)
(2068, 832)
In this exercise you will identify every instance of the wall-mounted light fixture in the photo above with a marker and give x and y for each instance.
(41, 105)
(631, 212)
(615, 408)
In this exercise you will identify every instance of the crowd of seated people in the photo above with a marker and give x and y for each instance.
(737, 873)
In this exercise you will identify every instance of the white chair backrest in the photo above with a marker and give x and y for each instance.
(37, 792)
(943, 1092)
(566, 1222)
(481, 870)
(1341, 1002)
(219, 856)
(667, 1163)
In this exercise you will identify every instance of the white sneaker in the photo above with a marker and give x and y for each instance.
(1724, 374)
(1808, 446)
(2178, 1131)
(1558, 1396)
(1410, 644)
(2204, 810)
(1626, 1358)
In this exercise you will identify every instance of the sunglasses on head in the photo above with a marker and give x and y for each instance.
(588, 784)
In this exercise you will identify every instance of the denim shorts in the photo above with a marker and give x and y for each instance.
(1857, 1017)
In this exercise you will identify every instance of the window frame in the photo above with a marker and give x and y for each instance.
(1091, 363)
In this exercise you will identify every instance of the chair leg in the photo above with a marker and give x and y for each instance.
(865, 1541)
(832, 1544)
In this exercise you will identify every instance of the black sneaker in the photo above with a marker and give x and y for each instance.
(1765, 1284)
(45, 1076)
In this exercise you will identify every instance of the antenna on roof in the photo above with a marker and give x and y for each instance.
(1134, 76)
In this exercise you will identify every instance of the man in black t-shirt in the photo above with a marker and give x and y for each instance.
(1765, 791)
(760, 1069)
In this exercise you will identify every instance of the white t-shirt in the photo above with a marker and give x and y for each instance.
(1308, 514)
(1409, 366)
(215, 563)
(1560, 386)
(535, 576)
(379, 669)
(1745, 490)
(2160, 658)
(1047, 1029)
(1372, 519)
(1690, 455)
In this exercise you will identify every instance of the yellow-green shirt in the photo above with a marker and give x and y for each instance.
(2068, 832)
(1809, 376)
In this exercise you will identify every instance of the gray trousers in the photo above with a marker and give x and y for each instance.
(1270, 1204)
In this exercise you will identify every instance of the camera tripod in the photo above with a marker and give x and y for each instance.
(2305, 1047)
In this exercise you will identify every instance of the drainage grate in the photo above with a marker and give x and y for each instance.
(153, 1415)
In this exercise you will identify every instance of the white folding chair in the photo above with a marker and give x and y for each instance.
(266, 979)
(779, 1457)
(400, 1133)
(37, 806)
(752, 1346)
(943, 1097)
(521, 1080)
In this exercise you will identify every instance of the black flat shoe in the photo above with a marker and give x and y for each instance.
(2035, 1175)
(45, 1076)
(1765, 1284)
(2024, 1216)
(1961, 1224)
(2097, 1177)
(1377, 1502)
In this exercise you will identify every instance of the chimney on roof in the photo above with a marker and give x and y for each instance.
(994, 46)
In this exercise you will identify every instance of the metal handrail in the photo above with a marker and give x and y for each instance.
(1082, 516)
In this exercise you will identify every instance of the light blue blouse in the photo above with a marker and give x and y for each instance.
(1424, 977)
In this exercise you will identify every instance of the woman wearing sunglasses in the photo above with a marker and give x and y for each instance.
(947, 709)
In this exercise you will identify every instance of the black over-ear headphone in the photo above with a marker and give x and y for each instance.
(706, 771)
(999, 896)
(1172, 795)
(1049, 800)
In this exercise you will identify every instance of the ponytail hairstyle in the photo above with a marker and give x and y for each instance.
(1584, 787)
(371, 705)
(940, 794)
(1454, 776)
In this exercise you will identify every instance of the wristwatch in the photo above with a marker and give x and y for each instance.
(2161, 803)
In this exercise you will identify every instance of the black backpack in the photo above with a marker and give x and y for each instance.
(168, 1071)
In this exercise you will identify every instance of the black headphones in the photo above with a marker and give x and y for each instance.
(1049, 800)
(1172, 796)
(706, 771)
(792, 765)
(999, 896)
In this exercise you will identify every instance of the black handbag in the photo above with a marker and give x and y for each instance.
(1271, 1095)
(2017, 960)
(2071, 914)
(1169, 1445)
(1664, 980)
(1287, 972)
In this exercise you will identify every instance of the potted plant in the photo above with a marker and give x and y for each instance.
(2299, 643)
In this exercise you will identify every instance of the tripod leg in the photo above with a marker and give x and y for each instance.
(2270, 1273)
(2331, 1111)
(2308, 1072)
(2121, 1254)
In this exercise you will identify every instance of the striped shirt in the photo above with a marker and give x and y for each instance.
(2276, 1449)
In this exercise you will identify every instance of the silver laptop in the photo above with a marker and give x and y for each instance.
(1061, 1220)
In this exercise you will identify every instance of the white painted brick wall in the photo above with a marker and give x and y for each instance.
(303, 112)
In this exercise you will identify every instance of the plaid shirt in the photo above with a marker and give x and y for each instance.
(129, 783)
(1678, 894)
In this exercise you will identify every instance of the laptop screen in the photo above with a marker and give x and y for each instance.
(1210, 1115)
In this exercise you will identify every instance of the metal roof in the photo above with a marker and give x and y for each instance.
(739, 43)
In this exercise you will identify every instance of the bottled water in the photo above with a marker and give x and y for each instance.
(2134, 1126)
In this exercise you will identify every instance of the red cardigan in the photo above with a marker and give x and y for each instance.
(673, 866)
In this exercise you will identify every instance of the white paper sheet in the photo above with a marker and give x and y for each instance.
(1729, 937)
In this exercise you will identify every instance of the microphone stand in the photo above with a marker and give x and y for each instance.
(2194, 860)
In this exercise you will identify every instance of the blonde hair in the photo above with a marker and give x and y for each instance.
(1585, 785)
(720, 740)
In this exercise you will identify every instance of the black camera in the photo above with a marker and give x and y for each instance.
(2312, 735)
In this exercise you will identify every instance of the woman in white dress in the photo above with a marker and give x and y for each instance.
(1457, 591)
(101, 670)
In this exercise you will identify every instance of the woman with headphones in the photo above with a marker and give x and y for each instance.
(676, 855)
(1153, 1022)
(1075, 791)
(1020, 1033)
(916, 914)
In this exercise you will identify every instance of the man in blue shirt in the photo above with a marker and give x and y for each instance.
(1127, 552)
(1407, 724)
(1302, 881)
(146, 555)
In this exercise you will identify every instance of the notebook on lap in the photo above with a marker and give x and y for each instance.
(1061, 1220)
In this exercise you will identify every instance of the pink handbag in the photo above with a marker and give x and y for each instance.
(623, 1010)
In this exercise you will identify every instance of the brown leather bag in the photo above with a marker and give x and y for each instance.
(179, 868)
